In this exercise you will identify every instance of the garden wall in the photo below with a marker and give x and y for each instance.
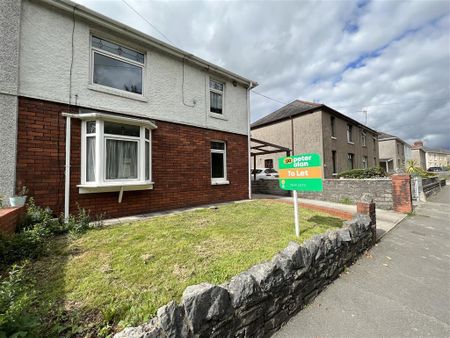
(338, 190)
(257, 302)
(9, 218)
(269, 187)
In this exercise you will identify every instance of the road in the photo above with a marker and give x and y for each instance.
(401, 288)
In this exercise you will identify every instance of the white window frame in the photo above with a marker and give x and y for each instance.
(349, 133)
(365, 162)
(122, 92)
(101, 184)
(364, 138)
(219, 180)
(221, 92)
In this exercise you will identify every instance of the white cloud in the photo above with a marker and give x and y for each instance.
(302, 49)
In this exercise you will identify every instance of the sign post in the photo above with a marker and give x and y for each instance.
(300, 173)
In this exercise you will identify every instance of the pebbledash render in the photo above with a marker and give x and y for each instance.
(98, 115)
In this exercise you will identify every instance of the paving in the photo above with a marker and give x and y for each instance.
(386, 219)
(400, 288)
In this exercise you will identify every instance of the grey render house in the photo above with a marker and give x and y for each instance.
(394, 152)
(307, 127)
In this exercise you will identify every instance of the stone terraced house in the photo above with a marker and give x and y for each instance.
(307, 127)
(97, 114)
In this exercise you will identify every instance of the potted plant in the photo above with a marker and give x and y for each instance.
(20, 198)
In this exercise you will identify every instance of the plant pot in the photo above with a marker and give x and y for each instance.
(17, 201)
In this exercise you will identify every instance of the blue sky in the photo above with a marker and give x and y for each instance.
(390, 58)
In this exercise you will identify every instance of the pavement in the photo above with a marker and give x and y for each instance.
(400, 288)
(386, 219)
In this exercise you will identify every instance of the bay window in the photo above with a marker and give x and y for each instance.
(115, 153)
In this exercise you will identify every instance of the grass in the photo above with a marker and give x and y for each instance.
(120, 275)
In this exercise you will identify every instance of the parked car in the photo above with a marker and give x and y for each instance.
(264, 174)
(435, 169)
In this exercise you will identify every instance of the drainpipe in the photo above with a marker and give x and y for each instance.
(67, 172)
(249, 142)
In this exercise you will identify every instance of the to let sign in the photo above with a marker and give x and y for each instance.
(301, 172)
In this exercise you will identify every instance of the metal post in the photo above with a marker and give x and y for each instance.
(254, 168)
(297, 225)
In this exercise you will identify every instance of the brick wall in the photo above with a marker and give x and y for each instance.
(180, 165)
(401, 191)
(9, 218)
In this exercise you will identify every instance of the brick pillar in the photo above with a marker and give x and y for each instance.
(401, 193)
(366, 206)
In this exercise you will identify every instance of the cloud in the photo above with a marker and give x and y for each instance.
(391, 58)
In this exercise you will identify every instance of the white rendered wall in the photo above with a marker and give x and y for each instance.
(46, 53)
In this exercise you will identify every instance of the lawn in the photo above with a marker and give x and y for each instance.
(119, 275)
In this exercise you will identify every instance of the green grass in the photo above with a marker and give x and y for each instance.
(120, 275)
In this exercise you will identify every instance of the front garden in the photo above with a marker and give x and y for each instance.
(97, 282)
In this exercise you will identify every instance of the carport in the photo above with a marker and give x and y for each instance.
(259, 147)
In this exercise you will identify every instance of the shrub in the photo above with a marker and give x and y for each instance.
(413, 169)
(16, 298)
(31, 241)
(363, 173)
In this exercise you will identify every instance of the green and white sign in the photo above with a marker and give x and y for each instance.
(301, 172)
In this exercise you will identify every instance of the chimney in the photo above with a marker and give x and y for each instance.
(417, 145)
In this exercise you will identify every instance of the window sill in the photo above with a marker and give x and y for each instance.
(349, 142)
(217, 116)
(117, 92)
(224, 182)
(111, 187)
(333, 137)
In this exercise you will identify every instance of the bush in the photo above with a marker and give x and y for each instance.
(363, 173)
(16, 297)
(413, 169)
(32, 239)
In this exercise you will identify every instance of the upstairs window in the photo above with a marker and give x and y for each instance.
(218, 162)
(349, 133)
(216, 91)
(116, 66)
(332, 123)
(363, 138)
(115, 153)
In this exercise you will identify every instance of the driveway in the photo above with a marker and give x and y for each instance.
(401, 288)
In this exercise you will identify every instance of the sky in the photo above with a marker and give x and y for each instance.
(384, 61)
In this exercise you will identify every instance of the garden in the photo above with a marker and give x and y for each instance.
(80, 278)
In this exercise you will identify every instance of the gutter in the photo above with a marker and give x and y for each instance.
(106, 22)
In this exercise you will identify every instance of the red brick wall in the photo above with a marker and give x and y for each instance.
(180, 165)
(10, 218)
(401, 193)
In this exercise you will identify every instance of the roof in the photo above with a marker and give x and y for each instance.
(386, 137)
(108, 23)
(441, 151)
(297, 108)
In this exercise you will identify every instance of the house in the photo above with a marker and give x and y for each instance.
(307, 127)
(418, 155)
(433, 157)
(99, 115)
(393, 152)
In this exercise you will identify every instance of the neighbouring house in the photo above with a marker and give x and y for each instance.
(394, 152)
(99, 115)
(418, 155)
(307, 127)
(433, 157)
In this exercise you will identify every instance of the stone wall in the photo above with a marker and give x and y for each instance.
(257, 302)
(270, 187)
(339, 190)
